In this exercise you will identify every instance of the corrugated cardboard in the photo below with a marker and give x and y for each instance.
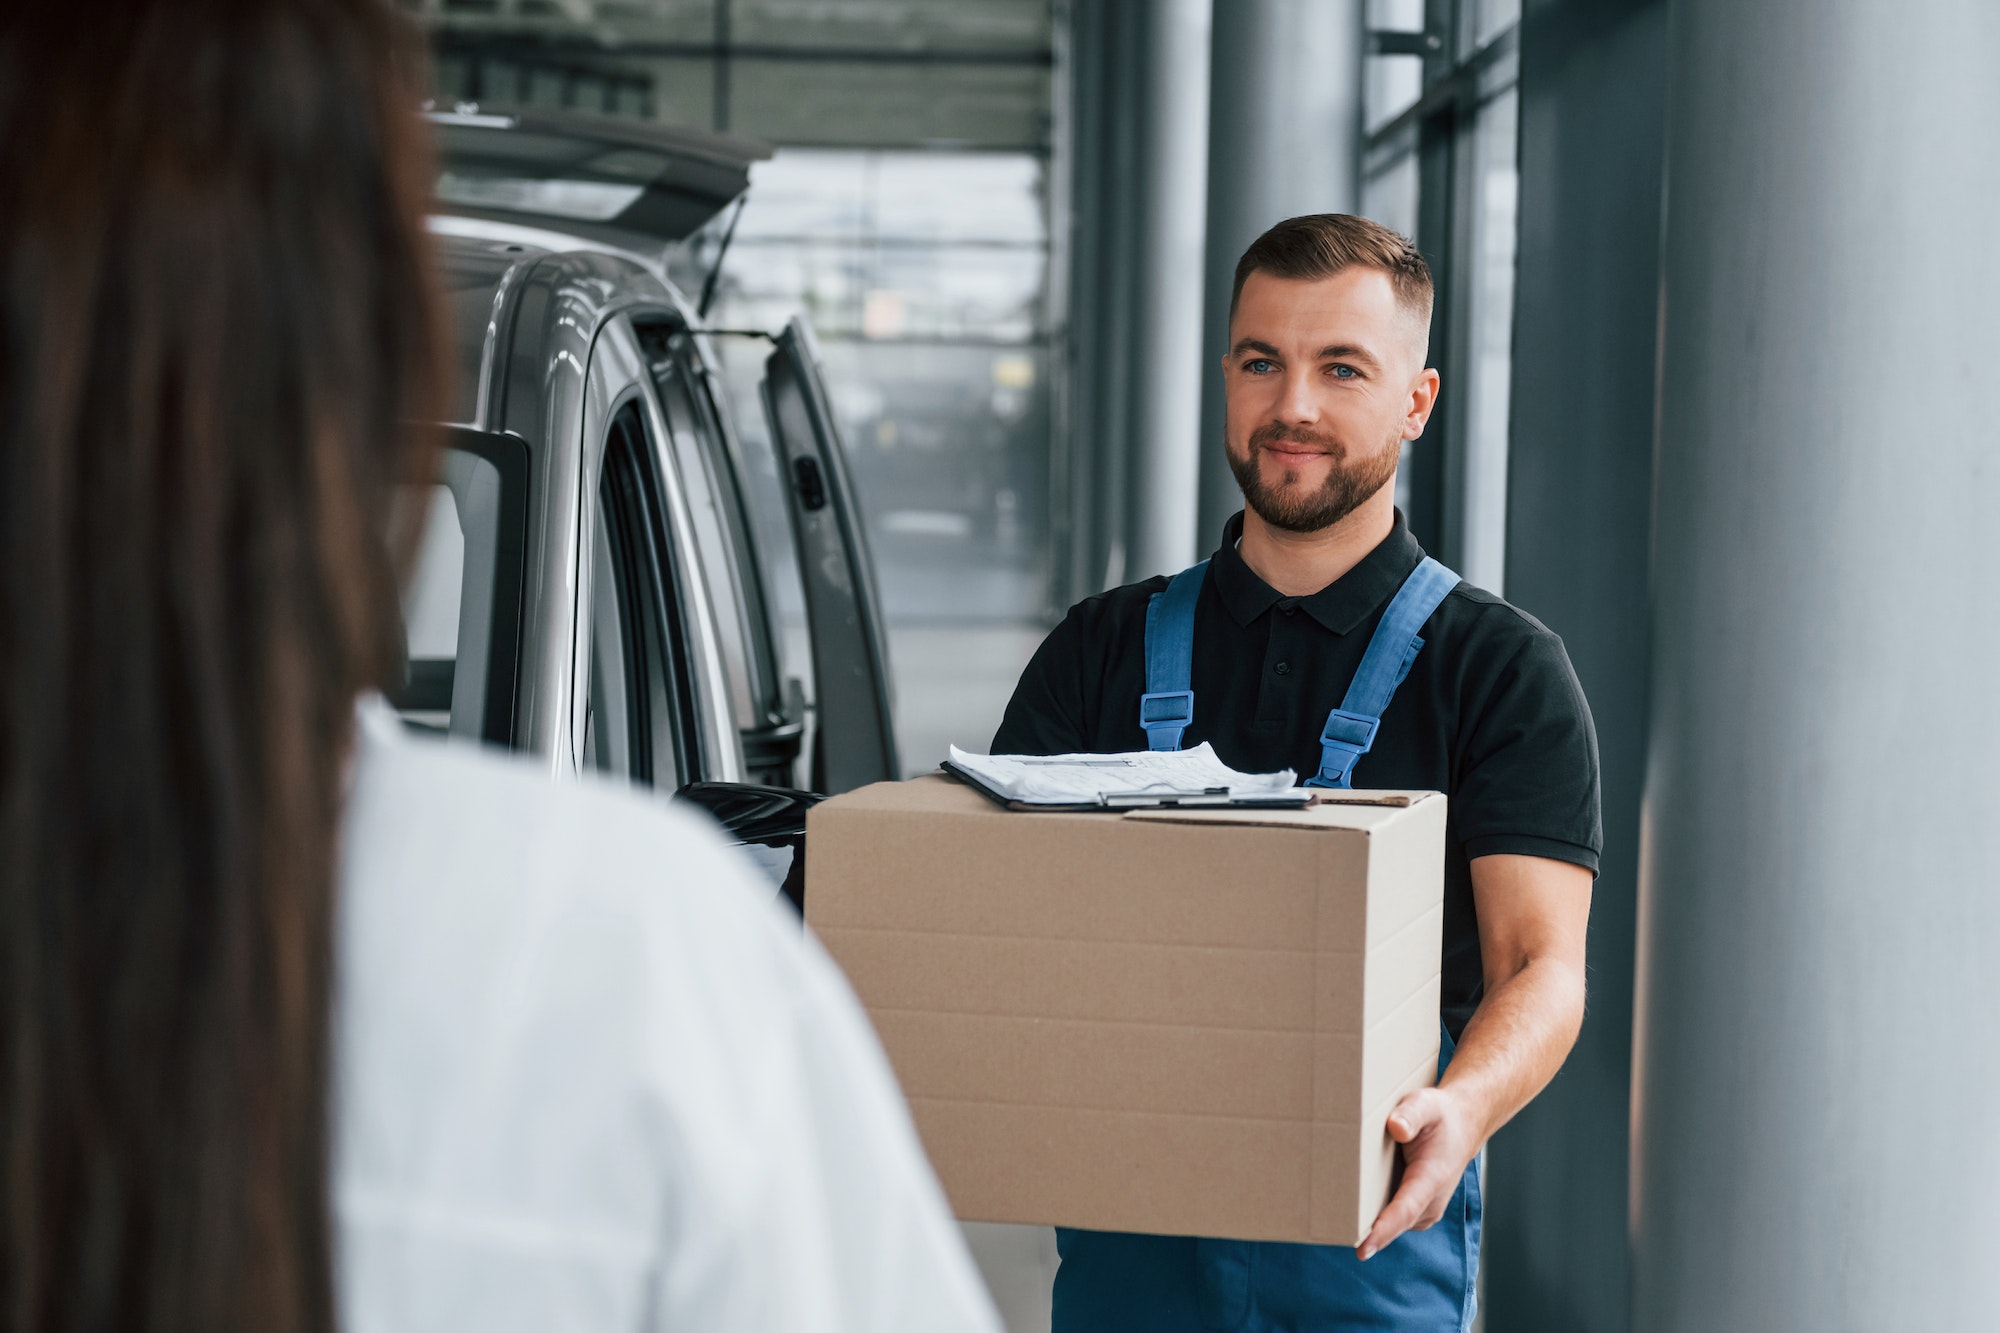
(1188, 1022)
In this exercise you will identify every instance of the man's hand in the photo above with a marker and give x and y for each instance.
(1532, 915)
(1438, 1138)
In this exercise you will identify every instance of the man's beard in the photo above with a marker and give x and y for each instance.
(1347, 485)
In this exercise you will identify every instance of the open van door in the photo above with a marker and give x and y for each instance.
(855, 740)
(621, 183)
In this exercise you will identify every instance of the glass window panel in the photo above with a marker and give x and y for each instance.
(543, 87)
(1390, 85)
(889, 291)
(925, 275)
(632, 723)
(430, 613)
(1490, 342)
(1396, 15)
(955, 25)
(1390, 195)
(991, 197)
(723, 558)
(607, 718)
(447, 603)
(430, 605)
(867, 103)
(771, 526)
(1490, 18)
(683, 90)
(499, 81)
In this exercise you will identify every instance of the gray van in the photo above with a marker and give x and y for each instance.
(592, 591)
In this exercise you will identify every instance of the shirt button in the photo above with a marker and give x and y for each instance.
(1283, 668)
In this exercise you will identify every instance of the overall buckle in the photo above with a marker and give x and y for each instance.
(1342, 741)
(1165, 716)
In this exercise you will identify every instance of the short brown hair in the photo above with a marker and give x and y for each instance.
(1320, 245)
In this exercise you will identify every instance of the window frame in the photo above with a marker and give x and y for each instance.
(658, 659)
(510, 457)
(1440, 131)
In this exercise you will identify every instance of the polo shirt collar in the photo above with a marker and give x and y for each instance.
(1339, 606)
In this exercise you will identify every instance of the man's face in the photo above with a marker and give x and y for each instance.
(1324, 380)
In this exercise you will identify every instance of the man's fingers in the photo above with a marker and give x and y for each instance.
(1414, 1114)
(1420, 1202)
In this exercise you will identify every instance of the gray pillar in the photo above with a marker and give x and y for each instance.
(1166, 313)
(1284, 139)
(1579, 488)
(1818, 1072)
(1101, 76)
(1138, 89)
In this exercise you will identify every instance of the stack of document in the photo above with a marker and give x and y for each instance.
(1122, 781)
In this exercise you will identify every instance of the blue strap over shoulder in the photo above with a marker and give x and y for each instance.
(1167, 706)
(1350, 729)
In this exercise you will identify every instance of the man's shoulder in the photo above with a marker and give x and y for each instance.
(1122, 598)
(1502, 650)
(1109, 611)
(1493, 623)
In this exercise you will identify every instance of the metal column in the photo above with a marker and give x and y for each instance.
(1284, 138)
(1593, 130)
(1139, 90)
(1100, 75)
(1817, 1065)
(1166, 315)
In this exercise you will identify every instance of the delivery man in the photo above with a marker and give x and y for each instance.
(1319, 637)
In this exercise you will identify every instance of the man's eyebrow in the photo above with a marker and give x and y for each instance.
(1252, 345)
(1347, 352)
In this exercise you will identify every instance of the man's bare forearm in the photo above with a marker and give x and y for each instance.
(1533, 913)
(1516, 1042)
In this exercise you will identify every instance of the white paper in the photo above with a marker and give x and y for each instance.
(1085, 779)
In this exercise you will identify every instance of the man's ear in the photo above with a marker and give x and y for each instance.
(1423, 397)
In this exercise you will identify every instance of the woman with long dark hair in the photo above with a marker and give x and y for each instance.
(304, 1024)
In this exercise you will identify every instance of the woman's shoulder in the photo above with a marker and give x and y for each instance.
(588, 981)
(571, 1011)
(482, 898)
(473, 820)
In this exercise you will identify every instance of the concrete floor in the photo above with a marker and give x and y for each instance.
(1019, 1265)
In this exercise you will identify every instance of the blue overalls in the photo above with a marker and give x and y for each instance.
(1112, 1282)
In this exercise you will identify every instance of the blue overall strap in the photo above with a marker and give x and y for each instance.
(1167, 706)
(1350, 728)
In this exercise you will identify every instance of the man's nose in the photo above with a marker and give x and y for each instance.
(1298, 402)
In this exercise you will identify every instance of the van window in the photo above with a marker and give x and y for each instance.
(767, 711)
(461, 602)
(640, 715)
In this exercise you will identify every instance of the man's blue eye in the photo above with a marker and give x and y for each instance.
(1258, 366)
(1344, 372)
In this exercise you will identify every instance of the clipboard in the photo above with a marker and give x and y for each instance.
(1118, 802)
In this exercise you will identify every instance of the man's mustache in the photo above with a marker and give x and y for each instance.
(1274, 432)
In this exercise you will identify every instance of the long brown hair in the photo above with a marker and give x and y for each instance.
(215, 323)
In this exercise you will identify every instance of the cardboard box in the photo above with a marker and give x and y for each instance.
(1183, 1022)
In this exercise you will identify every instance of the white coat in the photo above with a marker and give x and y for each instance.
(588, 1076)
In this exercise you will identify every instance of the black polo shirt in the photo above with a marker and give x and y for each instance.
(1490, 714)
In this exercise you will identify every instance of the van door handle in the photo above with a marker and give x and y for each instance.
(810, 483)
